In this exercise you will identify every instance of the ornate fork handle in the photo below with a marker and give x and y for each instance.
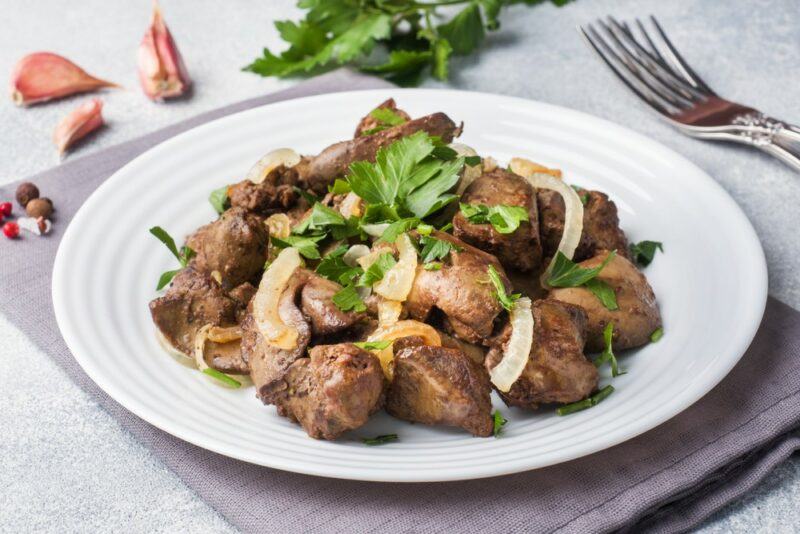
(775, 137)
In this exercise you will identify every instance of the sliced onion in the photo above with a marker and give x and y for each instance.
(470, 173)
(518, 348)
(389, 311)
(224, 334)
(397, 281)
(375, 230)
(200, 347)
(526, 167)
(280, 225)
(270, 161)
(398, 330)
(355, 253)
(266, 300)
(350, 206)
(573, 214)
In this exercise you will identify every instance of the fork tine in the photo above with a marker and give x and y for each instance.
(664, 87)
(657, 69)
(645, 94)
(679, 62)
(653, 49)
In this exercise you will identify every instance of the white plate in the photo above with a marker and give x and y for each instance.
(711, 285)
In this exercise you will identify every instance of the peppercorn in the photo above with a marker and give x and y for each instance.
(39, 207)
(26, 192)
(11, 230)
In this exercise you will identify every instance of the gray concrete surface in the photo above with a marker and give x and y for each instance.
(66, 466)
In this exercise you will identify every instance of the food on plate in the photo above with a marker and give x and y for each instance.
(401, 271)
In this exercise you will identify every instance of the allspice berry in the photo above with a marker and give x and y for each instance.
(39, 207)
(26, 192)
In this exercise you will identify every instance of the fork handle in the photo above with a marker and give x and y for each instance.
(789, 153)
(775, 137)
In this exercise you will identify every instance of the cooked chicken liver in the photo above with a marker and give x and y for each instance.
(520, 249)
(440, 386)
(369, 122)
(235, 246)
(335, 390)
(557, 370)
(192, 301)
(461, 290)
(275, 194)
(637, 316)
(601, 229)
(316, 301)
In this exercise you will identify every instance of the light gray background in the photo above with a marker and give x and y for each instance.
(65, 465)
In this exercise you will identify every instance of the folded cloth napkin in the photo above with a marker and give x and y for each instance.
(666, 480)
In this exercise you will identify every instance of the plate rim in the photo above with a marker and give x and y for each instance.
(757, 266)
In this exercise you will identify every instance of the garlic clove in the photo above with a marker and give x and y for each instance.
(44, 76)
(162, 72)
(79, 123)
(37, 226)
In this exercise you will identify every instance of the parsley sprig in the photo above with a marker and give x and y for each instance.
(504, 219)
(507, 301)
(415, 36)
(183, 255)
(643, 252)
(567, 273)
(607, 356)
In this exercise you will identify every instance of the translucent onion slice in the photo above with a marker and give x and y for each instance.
(471, 173)
(266, 300)
(279, 225)
(389, 311)
(573, 215)
(355, 253)
(351, 206)
(224, 334)
(270, 161)
(200, 347)
(397, 330)
(518, 348)
(397, 281)
(375, 230)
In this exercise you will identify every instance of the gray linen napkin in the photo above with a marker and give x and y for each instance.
(666, 480)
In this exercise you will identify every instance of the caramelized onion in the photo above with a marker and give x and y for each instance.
(279, 225)
(518, 347)
(397, 281)
(270, 161)
(398, 330)
(470, 172)
(389, 311)
(266, 300)
(573, 214)
(350, 206)
(526, 167)
(375, 230)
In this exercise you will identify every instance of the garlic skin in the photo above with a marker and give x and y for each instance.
(79, 123)
(161, 69)
(44, 76)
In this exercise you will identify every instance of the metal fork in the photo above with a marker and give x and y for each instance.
(654, 70)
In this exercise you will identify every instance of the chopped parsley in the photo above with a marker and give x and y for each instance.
(183, 255)
(372, 345)
(436, 249)
(334, 268)
(222, 377)
(504, 219)
(375, 272)
(432, 266)
(604, 292)
(567, 273)
(386, 118)
(505, 299)
(380, 440)
(583, 195)
(394, 230)
(643, 252)
(594, 400)
(657, 334)
(608, 352)
(498, 423)
(219, 199)
(339, 187)
(347, 299)
(307, 246)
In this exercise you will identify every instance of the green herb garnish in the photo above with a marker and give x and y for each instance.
(347, 299)
(566, 273)
(432, 266)
(643, 252)
(604, 292)
(219, 199)
(339, 187)
(436, 249)
(321, 217)
(657, 334)
(386, 118)
(305, 245)
(608, 352)
(222, 377)
(504, 219)
(380, 440)
(394, 230)
(372, 345)
(499, 423)
(341, 32)
(583, 195)
(505, 299)
(594, 400)
(375, 272)
(183, 255)
(334, 268)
